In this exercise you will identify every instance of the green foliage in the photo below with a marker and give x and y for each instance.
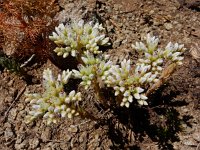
(10, 64)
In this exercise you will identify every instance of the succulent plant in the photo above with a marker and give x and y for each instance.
(92, 69)
(78, 37)
(121, 79)
(54, 102)
(130, 82)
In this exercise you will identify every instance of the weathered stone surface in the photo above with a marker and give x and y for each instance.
(8, 134)
(34, 143)
(168, 26)
(189, 142)
(73, 129)
(196, 136)
(46, 134)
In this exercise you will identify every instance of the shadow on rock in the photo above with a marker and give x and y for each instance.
(159, 121)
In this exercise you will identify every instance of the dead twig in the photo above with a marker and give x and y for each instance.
(163, 78)
(115, 24)
(26, 62)
(16, 98)
(82, 123)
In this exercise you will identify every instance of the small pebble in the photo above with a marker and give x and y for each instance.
(46, 134)
(68, 138)
(8, 134)
(196, 136)
(189, 142)
(34, 143)
(168, 26)
(73, 129)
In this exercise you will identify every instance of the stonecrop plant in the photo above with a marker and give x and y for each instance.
(130, 82)
(77, 38)
(54, 102)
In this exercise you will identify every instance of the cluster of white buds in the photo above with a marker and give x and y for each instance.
(144, 75)
(131, 84)
(173, 52)
(150, 66)
(79, 37)
(120, 78)
(54, 102)
(93, 68)
(87, 71)
(103, 68)
(82, 40)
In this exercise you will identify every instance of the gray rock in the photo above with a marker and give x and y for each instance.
(7, 125)
(18, 146)
(109, 9)
(20, 138)
(187, 148)
(12, 114)
(68, 138)
(196, 136)
(168, 26)
(83, 137)
(22, 145)
(73, 129)
(46, 135)
(8, 134)
(34, 143)
(189, 142)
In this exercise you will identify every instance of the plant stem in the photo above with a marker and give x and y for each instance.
(85, 114)
(100, 97)
(80, 51)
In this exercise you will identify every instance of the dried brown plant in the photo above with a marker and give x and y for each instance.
(25, 25)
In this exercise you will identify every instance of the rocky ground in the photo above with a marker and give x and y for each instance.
(172, 119)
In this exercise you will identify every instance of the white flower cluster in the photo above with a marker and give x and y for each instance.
(150, 67)
(120, 78)
(103, 69)
(174, 52)
(87, 71)
(93, 68)
(132, 84)
(54, 102)
(77, 37)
